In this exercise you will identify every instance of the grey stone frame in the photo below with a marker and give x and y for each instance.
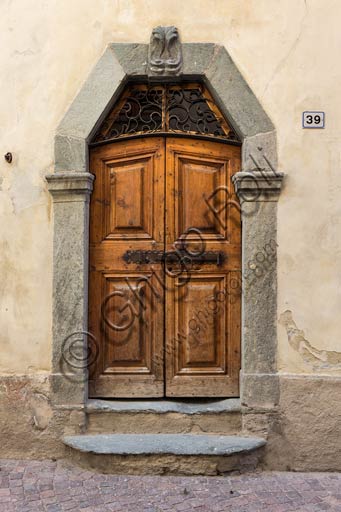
(71, 186)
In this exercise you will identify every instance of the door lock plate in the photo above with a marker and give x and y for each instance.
(181, 257)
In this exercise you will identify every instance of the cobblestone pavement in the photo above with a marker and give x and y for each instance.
(50, 486)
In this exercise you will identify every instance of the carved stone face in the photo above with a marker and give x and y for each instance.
(165, 51)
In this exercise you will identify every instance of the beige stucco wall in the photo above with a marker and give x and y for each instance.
(287, 50)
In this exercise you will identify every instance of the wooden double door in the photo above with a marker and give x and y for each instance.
(165, 260)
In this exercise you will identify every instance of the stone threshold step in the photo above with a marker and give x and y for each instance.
(165, 444)
(164, 406)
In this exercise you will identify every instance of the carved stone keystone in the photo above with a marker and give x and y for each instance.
(165, 56)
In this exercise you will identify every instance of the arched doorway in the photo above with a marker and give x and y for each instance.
(165, 247)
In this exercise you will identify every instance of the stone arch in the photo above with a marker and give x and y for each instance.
(71, 186)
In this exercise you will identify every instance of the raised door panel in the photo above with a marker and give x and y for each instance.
(203, 350)
(128, 323)
(129, 196)
(197, 179)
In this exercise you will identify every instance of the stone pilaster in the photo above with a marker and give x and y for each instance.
(258, 193)
(70, 192)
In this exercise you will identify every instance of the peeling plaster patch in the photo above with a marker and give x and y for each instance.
(311, 355)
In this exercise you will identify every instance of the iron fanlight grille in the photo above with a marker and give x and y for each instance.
(177, 109)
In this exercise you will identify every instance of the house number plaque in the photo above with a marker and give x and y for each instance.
(313, 119)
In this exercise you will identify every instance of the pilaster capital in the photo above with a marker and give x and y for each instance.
(64, 186)
(251, 186)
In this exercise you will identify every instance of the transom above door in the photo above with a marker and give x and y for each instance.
(165, 260)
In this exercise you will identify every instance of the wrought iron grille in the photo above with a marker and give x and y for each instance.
(182, 109)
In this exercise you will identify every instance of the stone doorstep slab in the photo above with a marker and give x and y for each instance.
(166, 444)
(163, 406)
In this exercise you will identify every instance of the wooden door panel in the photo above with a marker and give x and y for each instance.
(128, 328)
(126, 303)
(129, 196)
(197, 178)
(203, 351)
(203, 322)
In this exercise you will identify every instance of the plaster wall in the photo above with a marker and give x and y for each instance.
(288, 52)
